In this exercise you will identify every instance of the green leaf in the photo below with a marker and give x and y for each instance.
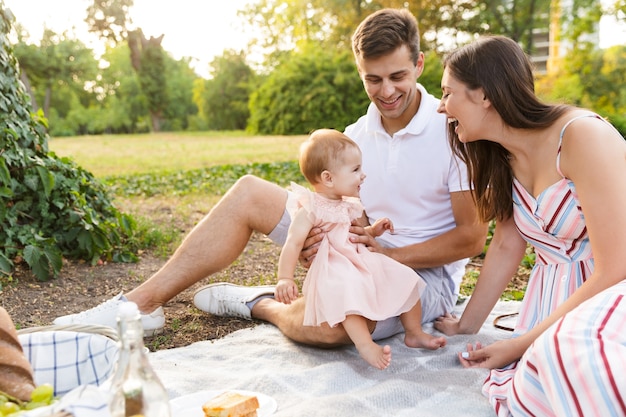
(47, 180)
(5, 264)
(6, 192)
(5, 175)
(41, 269)
(32, 255)
(55, 259)
(31, 182)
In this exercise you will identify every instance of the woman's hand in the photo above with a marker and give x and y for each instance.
(311, 245)
(496, 355)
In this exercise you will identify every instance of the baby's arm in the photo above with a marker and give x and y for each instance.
(287, 289)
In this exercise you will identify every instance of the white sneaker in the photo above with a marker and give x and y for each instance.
(105, 314)
(229, 300)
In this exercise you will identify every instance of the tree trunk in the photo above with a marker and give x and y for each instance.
(46, 101)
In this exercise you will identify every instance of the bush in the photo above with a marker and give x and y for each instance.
(49, 207)
(311, 89)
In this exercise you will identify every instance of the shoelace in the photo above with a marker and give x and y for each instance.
(105, 305)
(228, 306)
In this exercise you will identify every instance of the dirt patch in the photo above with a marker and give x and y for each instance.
(81, 286)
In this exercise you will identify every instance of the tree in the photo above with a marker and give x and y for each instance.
(591, 78)
(109, 19)
(148, 60)
(317, 87)
(49, 207)
(225, 96)
(180, 83)
(59, 62)
(121, 94)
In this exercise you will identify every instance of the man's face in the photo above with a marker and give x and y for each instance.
(390, 83)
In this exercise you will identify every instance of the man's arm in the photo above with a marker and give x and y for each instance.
(467, 239)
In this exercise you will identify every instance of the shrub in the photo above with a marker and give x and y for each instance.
(49, 207)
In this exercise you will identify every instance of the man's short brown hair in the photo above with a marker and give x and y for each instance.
(384, 31)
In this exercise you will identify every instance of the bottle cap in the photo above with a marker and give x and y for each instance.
(127, 309)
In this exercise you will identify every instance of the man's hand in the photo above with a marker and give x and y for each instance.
(286, 291)
(448, 324)
(359, 234)
(311, 245)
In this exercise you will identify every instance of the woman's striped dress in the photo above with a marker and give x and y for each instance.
(578, 366)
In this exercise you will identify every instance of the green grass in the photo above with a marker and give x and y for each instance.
(120, 155)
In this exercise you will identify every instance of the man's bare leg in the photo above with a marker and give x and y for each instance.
(251, 204)
(289, 318)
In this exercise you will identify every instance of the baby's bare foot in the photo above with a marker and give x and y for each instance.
(424, 340)
(377, 356)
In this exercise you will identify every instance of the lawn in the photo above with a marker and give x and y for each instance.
(120, 155)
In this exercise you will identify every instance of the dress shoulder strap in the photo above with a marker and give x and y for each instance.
(558, 152)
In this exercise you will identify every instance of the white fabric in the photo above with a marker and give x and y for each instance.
(307, 381)
(83, 401)
(79, 366)
(68, 359)
(410, 176)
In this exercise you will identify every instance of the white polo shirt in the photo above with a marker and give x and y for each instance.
(410, 175)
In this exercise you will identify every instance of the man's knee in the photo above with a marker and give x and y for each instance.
(247, 185)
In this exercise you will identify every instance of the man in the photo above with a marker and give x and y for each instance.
(412, 178)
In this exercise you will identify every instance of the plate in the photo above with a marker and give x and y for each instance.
(191, 405)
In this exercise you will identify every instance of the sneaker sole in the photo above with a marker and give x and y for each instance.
(152, 332)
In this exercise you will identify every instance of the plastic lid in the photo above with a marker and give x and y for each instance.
(127, 309)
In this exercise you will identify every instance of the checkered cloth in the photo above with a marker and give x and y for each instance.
(77, 364)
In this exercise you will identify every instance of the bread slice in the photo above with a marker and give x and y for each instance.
(16, 374)
(231, 404)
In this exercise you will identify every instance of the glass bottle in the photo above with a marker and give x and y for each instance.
(135, 388)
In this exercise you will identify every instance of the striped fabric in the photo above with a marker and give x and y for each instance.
(577, 367)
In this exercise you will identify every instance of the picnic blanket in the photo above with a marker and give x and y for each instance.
(307, 381)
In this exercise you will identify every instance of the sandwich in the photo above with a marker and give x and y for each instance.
(231, 404)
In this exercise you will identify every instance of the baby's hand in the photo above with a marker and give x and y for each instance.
(380, 226)
(286, 291)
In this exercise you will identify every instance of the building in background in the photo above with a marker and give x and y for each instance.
(549, 45)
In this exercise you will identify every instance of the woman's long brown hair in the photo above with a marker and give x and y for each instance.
(500, 67)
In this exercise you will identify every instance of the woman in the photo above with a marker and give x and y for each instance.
(553, 176)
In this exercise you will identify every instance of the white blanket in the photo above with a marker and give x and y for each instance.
(307, 381)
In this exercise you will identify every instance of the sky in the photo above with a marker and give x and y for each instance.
(200, 29)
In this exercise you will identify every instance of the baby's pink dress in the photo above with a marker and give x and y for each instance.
(346, 278)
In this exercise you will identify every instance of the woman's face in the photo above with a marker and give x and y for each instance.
(465, 108)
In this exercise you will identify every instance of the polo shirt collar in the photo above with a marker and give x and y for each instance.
(417, 124)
